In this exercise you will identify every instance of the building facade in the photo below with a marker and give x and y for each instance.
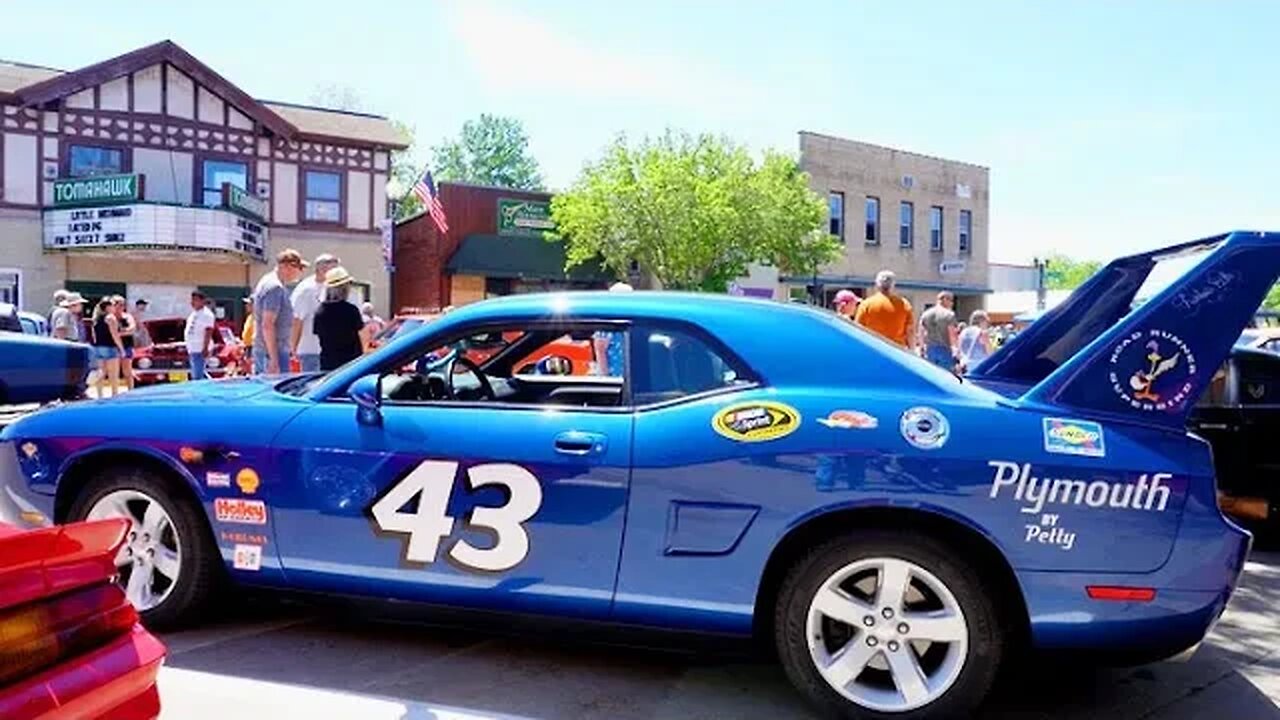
(149, 175)
(922, 217)
(495, 246)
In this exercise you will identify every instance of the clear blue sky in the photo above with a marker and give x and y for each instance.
(1106, 130)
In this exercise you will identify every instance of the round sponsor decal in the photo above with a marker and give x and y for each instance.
(925, 428)
(756, 421)
(247, 480)
(1152, 370)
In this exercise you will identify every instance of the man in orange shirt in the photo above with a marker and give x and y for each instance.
(887, 313)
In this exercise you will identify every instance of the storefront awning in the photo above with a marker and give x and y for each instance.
(525, 258)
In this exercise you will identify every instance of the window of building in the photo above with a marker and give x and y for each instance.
(935, 228)
(835, 210)
(90, 160)
(873, 220)
(11, 286)
(323, 196)
(217, 172)
(966, 230)
(906, 224)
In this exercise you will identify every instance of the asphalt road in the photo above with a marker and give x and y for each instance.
(269, 660)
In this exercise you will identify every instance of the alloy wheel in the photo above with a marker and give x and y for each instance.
(150, 559)
(887, 634)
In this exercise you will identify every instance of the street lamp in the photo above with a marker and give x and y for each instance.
(396, 191)
(1040, 266)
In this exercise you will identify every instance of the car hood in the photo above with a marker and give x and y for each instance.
(213, 391)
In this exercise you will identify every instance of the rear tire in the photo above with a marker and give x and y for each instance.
(922, 639)
(182, 546)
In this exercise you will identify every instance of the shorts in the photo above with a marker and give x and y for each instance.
(106, 353)
(128, 353)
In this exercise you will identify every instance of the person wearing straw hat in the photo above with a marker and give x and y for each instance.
(338, 322)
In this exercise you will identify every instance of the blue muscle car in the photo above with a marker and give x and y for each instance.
(37, 369)
(896, 531)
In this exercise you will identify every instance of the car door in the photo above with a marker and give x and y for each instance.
(506, 506)
(1258, 396)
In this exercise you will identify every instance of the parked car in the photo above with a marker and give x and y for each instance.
(1240, 416)
(73, 646)
(167, 360)
(857, 514)
(37, 369)
(15, 320)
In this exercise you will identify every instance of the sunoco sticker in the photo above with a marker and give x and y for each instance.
(756, 421)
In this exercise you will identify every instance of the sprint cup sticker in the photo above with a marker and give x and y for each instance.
(756, 421)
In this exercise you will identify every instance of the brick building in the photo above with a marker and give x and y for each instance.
(924, 218)
(149, 175)
(494, 247)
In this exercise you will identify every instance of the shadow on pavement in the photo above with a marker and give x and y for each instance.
(1234, 675)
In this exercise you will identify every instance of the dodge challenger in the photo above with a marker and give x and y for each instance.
(896, 531)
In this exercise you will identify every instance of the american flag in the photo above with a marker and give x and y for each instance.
(425, 189)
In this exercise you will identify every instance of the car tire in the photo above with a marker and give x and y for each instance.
(198, 562)
(957, 673)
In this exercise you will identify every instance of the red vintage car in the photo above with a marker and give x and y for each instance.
(166, 359)
(72, 647)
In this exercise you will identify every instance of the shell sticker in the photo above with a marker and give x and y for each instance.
(756, 421)
(247, 480)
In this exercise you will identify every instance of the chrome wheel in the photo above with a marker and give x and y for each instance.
(887, 634)
(150, 560)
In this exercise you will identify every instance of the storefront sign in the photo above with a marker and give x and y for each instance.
(524, 217)
(100, 190)
(952, 267)
(233, 198)
(154, 227)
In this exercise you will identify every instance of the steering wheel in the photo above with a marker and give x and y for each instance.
(469, 364)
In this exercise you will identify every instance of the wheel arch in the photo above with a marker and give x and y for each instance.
(79, 469)
(971, 543)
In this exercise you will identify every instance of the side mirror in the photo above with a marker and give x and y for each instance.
(366, 393)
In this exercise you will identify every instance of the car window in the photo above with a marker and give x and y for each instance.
(29, 326)
(1272, 345)
(671, 363)
(542, 365)
(1215, 395)
(1258, 380)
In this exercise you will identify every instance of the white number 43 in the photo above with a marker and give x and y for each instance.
(426, 527)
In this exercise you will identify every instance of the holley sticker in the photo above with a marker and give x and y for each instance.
(1074, 437)
(240, 511)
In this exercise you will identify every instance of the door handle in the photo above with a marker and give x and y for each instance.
(581, 444)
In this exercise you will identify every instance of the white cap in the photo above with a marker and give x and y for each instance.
(620, 287)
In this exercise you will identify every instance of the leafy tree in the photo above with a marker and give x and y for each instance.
(1272, 301)
(1064, 273)
(693, 211)
(492, 150)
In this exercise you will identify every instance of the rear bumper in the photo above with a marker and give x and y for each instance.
(1192, 590)
(116, 682)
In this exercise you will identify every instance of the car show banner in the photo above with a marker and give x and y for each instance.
(154, 227)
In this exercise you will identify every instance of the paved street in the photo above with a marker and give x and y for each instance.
(271, 660)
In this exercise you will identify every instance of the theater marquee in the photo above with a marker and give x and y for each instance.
(154, 227)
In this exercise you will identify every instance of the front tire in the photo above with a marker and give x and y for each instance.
(882, 625)
(169, 563)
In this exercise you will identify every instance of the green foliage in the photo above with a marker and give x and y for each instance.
(693, 211)
(1063, 273)
(406, 171)
(491, 150)
(1272, 301)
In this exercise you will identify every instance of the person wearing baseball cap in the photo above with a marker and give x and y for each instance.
(273, 313)
(846, 304)
(306, 299)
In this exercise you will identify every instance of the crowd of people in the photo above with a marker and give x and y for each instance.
(939, 336)
(294, 321)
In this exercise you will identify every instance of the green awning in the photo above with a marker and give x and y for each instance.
(525, 258)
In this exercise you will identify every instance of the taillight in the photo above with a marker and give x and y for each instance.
(43, 633)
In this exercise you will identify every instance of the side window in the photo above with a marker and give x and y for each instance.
(670, 363)
(531, 365)
(1258, 381)
(1215, 395)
